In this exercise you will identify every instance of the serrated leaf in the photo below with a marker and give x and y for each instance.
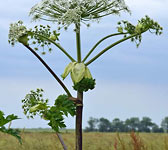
(13, 132)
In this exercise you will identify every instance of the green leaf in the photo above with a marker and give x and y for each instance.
(13, 132)
(4, 121)
(84, 85)
(62, 107)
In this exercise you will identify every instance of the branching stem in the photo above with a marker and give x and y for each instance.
(106, 37)
(109, 47)
(57, 45)
(50, 70)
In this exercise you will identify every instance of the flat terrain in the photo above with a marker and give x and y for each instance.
(91, 141)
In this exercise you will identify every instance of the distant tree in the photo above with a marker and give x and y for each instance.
(104, 125)
(133, 124)
(156, 129)
(118, 126)
(145, 124)
(92, 124)
(164, 124)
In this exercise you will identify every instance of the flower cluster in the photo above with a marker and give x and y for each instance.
(143, 25)
(42, 36)
(34, 104)
(66, 12)
(16, 31)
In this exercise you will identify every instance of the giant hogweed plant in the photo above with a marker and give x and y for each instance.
(40, 38)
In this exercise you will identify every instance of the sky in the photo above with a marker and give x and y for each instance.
(130, 81)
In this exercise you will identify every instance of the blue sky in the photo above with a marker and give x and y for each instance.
(130, 81)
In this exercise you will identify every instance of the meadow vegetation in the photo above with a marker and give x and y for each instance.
(92, 141)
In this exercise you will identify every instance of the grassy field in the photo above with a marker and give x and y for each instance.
(91, 141)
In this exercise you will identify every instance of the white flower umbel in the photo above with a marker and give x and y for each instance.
(16, 31)
(66, 12)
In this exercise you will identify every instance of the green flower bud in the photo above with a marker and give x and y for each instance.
(87, 73)
(39, 106)
(53, 37)
(138, 28)
(78, 72)
(34, 108)
(120, 29)
(68, 69)
(24, 39)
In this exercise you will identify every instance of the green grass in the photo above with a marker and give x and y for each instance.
(91, 141)
(45, 130)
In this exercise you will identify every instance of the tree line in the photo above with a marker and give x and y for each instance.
(131, 124)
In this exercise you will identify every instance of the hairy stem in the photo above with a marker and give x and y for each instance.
(50, 70)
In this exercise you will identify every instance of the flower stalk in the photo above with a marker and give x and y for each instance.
(50, 70)
(109, 47)
(57, 45)
(106, 37)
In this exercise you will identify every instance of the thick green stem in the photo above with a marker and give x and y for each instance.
(109, 47)
(57, 45)
(106, 37)
(78, 42)
(50, 70)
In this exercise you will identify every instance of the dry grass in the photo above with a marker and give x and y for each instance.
(91, 141)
